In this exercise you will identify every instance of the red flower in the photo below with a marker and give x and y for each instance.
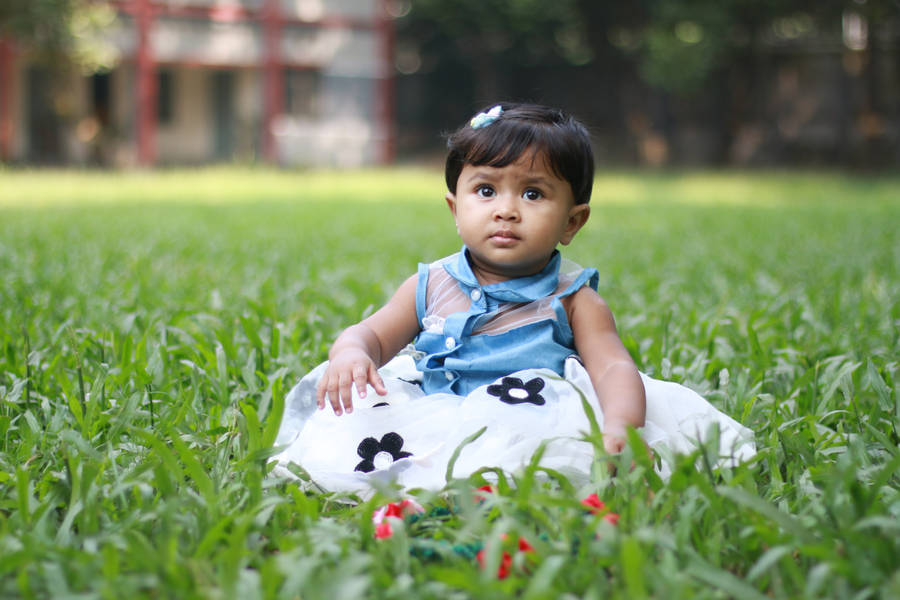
(396, 511)
(594, 504)
(505, 563)
(480, 492)
(383, 530)
(506, 559)
(505, 566)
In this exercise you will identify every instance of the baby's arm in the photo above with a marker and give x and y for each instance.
(613, 374)
(362, 348)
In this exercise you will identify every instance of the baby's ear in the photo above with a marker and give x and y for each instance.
(578, 216)
(451, 203)
(450, 197)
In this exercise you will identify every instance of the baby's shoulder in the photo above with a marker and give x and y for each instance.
(585, 301)
(584, 295)
(573, 277)
(440, 263)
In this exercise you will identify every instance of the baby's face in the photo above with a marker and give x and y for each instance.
(512, 218)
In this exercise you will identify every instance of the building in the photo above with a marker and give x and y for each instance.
(290, 82)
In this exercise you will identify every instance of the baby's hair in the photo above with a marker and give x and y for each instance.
(563, 142)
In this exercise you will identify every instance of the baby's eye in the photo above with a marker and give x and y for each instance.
(532, 194)
(485, 191)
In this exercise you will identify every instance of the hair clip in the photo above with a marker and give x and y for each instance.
(483, 119)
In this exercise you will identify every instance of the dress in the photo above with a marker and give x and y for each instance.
(498, 358)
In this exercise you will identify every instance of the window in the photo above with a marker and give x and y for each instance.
(301, 92)
(165, 97)
(100, 97)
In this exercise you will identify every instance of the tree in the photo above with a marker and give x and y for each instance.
(677, 45)
(61, 32)
(493, 39)
(642, 69)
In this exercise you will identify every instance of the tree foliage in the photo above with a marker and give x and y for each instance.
(515, 29)
(683, 42)
(58, 32)
(676, 46)
(482, 44)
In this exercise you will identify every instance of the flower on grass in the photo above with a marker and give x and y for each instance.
(383, 530)
(399, 510)
(596, 506)
(506, 559)
(482, 493)
(393, 512)
(505, 564)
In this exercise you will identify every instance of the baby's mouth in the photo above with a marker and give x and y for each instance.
(504, 235)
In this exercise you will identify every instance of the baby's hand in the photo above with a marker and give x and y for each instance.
(613, 443)
(615, 436)
(348, 367)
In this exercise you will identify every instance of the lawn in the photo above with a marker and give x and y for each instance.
(152, 322)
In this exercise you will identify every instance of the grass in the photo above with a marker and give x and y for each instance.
(151, 323)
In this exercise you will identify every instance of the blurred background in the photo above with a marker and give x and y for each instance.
(346, 83)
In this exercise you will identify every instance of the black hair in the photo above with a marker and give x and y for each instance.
(563, 142)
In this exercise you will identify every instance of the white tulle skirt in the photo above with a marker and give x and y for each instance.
(409, 438)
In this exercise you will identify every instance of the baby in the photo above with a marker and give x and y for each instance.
(505, 335)
(519, 180)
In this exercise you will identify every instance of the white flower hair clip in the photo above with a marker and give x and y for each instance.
(483, 119)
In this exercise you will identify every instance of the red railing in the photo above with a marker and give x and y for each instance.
(7, 93)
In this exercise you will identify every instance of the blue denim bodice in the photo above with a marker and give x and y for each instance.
(455, 360)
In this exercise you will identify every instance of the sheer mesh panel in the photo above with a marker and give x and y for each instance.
(444, 298)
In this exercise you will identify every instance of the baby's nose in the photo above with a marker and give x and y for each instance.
(506, 209)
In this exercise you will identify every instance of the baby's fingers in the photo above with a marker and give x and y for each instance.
(376, 380)
(360, 379)
(329, 387)
(320, 392)
(344, 392)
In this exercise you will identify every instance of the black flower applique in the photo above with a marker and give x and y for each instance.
(381, 454)
(512, 391)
